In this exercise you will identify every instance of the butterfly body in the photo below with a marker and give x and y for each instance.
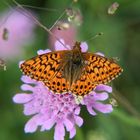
(71, 70)
(73, 64)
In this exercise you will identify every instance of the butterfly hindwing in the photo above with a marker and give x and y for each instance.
(82, 86)
(58, 84)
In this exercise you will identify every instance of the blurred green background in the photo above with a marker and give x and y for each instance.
(121, 39)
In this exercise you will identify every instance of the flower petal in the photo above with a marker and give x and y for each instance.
(22, 98)
(84, 46)
(100, 96)
(102, 87)
(26, 87)
(72, 132)
(47, 125)
(90, 110)
(77, 110)
(31, 125)
(104, 108)
(27, 80)
(59, 132)
(29, 109)
(63, 46)
(68, 124)
(79, 121)
(40, 52)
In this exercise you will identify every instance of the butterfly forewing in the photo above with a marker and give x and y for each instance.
(43, 67)
(101, 70)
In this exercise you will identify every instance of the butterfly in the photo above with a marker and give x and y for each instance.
(71, 70)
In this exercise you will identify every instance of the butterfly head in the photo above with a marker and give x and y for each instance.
(77, 57)
(77, 47)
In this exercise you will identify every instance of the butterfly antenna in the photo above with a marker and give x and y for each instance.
(63, 13)
(95, 36)
(56, 22)
(28, 14)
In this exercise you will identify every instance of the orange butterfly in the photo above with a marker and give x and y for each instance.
(71, 70)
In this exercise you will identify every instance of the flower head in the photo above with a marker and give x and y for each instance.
(15, 30)
(67, 33)
(59, 110)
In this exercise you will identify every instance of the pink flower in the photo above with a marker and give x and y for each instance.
(67, 33)
(59, 110)
(19, 30)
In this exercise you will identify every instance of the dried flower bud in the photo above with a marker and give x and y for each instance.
(2, 64)
(5, 34)
(112, 9)
(113, 102)
(63, 25)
